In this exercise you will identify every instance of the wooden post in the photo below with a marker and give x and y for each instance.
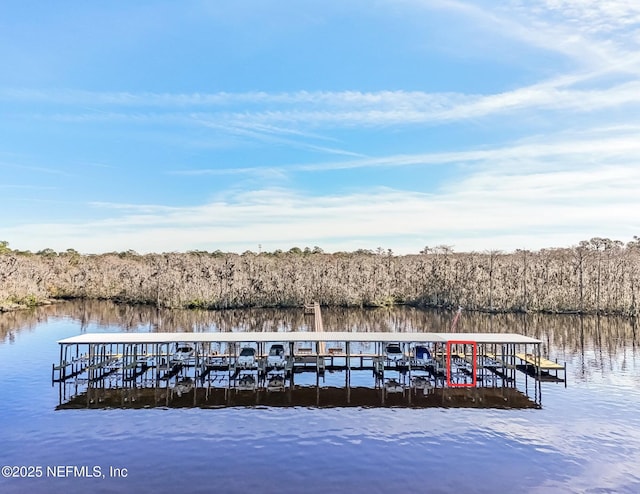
(318, 388)
(60, 395)
(291, 359)
(166, 388)
(512, 350)
(156, 351)
(196, 347)
(90, 373)
(526, 374)
(539, 359)
(348, 372)
(381, 353)
(409, 365)
(63, 370)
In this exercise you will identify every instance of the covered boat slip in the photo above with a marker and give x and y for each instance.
(319, 351)
(402, 368)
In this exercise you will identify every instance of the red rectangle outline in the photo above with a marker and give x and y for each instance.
(472, 384)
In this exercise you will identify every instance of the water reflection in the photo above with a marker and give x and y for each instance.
(302, 396)
(569, 332)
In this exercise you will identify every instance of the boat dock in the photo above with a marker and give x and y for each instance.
(397, 369)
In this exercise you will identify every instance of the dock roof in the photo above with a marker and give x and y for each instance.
(298, 336)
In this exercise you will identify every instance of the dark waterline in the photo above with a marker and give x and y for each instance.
(586, 438)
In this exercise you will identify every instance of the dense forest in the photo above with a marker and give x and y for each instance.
(596, 276)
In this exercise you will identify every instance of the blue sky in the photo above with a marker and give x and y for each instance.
(172, 126)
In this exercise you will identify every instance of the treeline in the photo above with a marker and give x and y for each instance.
(596, 276)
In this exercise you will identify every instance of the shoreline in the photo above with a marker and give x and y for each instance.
(12, 306)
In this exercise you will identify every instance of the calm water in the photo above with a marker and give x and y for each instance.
(585, 438)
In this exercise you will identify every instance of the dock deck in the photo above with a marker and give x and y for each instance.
(541, 362)
(542, 368)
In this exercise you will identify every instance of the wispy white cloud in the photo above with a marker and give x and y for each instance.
(592, 33)
(572, 151)
(526, 22)
(79, 98)
(367, 110)
(272, 134)
(593, 16)
(485, 210)
(259, 171)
